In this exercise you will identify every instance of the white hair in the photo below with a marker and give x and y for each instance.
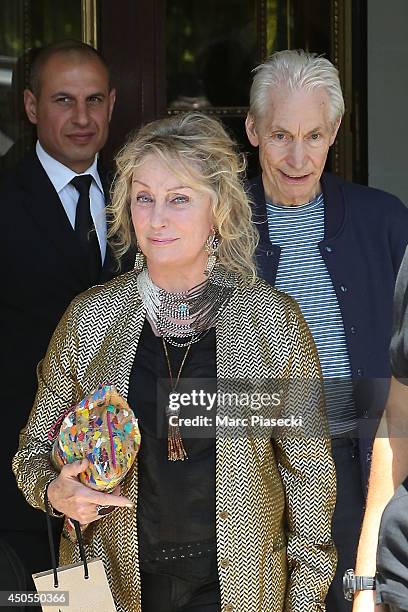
(295, 70)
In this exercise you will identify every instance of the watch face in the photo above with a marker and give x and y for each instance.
(348, 585)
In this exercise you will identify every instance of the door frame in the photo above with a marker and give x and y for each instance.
(135, 48)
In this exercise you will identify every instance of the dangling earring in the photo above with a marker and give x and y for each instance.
(211, 246)
(139, 260)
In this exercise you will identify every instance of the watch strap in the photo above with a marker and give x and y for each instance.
(353, 584)
(364, 583)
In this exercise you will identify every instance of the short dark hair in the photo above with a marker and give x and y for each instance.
(65, 47)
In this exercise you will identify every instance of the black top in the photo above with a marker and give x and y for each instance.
(176, 499)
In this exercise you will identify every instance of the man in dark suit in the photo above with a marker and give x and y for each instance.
(335, 247)
(53, 247)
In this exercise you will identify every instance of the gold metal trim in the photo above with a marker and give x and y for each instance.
(289, 9)
(219, 111)
(342, 58)
(89, 22)
(262, 30)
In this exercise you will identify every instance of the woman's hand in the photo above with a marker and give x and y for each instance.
(69, 496)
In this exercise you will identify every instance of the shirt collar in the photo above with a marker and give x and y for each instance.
(61, 175)
(334, 205)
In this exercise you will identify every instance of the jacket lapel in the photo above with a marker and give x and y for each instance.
(122, 358)
(112, 363)
(267, 254)
(44, 206)
(110, 266)
(259, 216)
(334, 207)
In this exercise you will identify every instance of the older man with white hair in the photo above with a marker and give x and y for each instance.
(336, 247)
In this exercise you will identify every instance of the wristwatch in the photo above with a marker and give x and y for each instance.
(353, 583)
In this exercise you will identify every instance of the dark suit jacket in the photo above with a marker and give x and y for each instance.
(366, 233)
(43, 270)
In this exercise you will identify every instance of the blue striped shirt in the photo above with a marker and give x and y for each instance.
(303, 275)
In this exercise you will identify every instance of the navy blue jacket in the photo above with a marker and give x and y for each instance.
(366, 233)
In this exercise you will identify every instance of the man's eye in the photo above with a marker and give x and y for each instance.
(316, 136)
(94, 100)
(280, 138)
(64, 100)
(179, 199)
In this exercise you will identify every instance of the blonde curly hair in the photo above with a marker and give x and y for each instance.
(207, 157)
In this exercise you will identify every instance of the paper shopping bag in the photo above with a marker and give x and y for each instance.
(84, 595)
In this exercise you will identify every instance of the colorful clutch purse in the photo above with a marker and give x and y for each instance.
(103, 429)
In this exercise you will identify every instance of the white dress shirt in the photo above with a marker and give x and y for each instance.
(60, 176)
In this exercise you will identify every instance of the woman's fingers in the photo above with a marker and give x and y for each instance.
(68, 495)
(110, 499)
(74, 468)
(89, 508)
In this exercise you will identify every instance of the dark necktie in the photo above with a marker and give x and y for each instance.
(84, 226)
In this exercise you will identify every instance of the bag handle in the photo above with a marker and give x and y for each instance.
(51, 541)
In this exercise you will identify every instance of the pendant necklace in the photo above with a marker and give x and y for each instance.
(175, 446)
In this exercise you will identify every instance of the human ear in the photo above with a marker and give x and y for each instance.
(112, 99)
(30, 105)
(251, 130)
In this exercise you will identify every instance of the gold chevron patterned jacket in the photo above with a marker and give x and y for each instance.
(274, 495)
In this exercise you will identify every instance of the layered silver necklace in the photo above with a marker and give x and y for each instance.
(183, 317)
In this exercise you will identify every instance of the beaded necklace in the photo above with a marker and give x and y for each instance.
(183, 314)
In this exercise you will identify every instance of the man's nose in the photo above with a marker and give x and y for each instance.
(297, 155)
(81, 114)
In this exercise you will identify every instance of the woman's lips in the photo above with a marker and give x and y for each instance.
(295, 180)
(162, 241)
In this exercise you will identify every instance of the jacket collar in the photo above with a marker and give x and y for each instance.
(334, 207)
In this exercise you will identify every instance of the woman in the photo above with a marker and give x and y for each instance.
(240, 522)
